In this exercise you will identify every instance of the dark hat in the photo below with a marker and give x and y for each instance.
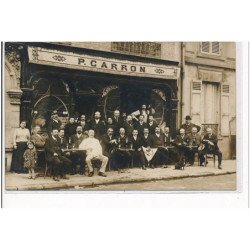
(188, 117)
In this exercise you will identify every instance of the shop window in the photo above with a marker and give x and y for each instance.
(151, 49)
(212, 48)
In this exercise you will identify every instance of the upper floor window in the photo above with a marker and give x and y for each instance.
(212, 48)
(138, 48)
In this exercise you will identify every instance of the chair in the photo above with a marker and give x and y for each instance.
(209, 156)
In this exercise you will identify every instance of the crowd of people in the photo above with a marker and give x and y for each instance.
(136, 140)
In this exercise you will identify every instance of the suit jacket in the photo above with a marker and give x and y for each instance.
(136, 144)
(75, 141)
(63, 142)
(158, 141)
(128, 128)
(99, 128)
(52, 124)
(107, 146)
(140, 127)
(124, 142)
(213, 139)
(182, 141)
(188, 128)
(84, 127)
(38, 140)
(152, 127)
(147, 142)
(69, 130)
(117, 124)
(167, 139)
(194, 140)
(52, 146)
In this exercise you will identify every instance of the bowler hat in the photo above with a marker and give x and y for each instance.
(188, 117)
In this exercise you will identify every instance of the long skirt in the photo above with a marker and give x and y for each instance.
(17, 158)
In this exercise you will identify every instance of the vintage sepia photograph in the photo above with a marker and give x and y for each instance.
(120, 116)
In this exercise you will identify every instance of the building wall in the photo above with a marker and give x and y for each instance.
(217, 71)
(169, 50)
(12, 109)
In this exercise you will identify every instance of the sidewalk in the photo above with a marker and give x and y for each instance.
(21, 182)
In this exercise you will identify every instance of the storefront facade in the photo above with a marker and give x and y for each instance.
(81, 78)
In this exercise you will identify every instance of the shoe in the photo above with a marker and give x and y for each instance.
(144, 168)
(219, 166)
(90, 174)
(65, 177)
(102, 174)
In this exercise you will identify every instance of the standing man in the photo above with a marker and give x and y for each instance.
(83, 123)
(59, 163)
(194, 142)
(152, 124)
(117, 121)
(70, 128)
(94, 152)
(54, 122)
(140, 125)
(97, 125)
(188, 125)
(128, 125)
(210, 141)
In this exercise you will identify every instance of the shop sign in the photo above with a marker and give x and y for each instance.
(100, 64)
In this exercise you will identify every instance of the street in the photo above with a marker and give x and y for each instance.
(220, 182)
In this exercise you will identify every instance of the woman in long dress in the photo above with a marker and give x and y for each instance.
(20, 139)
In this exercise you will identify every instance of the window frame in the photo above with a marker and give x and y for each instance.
(210, 49)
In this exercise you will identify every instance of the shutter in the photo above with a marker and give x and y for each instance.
(205, 47)
(196, 101)
(225, 90)
(216, 48)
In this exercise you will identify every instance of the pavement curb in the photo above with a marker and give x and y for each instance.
(89, 183)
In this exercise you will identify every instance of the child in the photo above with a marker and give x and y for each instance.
(30, 158)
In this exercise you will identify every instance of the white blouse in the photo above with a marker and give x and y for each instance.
(21, 135)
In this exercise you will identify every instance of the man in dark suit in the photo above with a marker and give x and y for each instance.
(152, 124)
(128, 125)
(108, 142)
(54, 122)
(194, 142)
(78, 157)
(188, 125)
(98, 125)
(147, 144)
(117, 122)
(122, 156)
(58, 162)
(160, 156)
(84, 124)
(70, 128)
(210, 142)
(181, 142)
(137, 154)
(140, 125)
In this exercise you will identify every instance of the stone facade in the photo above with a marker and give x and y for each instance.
(204, 76)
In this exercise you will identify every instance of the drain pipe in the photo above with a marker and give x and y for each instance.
(182, 76)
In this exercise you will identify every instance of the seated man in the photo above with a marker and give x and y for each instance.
(147, 143)
(210, 142)
(137, 155)
(58, 162)
(181, 142)
(194, 142)
(158, 142)
(78, 157)
(94, 152)
(122, 156)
